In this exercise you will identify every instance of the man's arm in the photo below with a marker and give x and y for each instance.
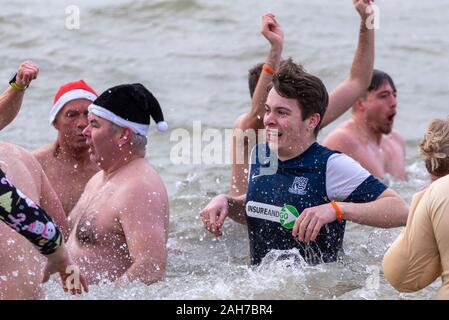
(387, 211)
(216, 211)
(413, 261)
(355, 86)
(11, 99)
(60, 262)
(272, 31)
(253, 120)
(144, 226)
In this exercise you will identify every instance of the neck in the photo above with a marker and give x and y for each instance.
(63, 152)
(434, 178)
(297, 150)
(120, 160)
(367, 130)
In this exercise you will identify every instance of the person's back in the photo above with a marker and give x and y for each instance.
(368, 136)
(21, 264)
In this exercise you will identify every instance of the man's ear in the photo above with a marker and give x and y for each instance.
(125, 137)
(313, 122)
(359, 105)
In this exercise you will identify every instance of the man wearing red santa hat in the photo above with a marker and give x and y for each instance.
(66, 160)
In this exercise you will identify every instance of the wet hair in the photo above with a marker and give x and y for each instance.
(293, 82)
(378, 79)
(253, 77)
(434, 147)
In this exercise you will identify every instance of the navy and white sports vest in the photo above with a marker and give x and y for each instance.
(317, 176)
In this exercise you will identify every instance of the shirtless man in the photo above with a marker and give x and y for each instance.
(340, 99)
(21, 264)
(368, 136)
(66, 161)
(120, 224)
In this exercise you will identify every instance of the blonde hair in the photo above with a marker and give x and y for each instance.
(434, 147)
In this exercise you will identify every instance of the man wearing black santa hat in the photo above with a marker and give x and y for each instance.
(120, 223)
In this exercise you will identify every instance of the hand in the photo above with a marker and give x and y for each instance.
(27, 72)
(272, 31)
(60, 262)
(361, 5)
(214, 214)
(310, 221)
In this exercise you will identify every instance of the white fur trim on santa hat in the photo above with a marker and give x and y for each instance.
(67, 97)
(138, 128)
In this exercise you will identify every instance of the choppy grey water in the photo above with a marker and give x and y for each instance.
(194, 55)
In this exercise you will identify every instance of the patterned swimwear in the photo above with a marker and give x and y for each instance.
(27, 218)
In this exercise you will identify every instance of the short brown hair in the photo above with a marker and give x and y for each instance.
(293, 82)
(434, 147)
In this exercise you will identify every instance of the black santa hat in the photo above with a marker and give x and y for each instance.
(129, 105)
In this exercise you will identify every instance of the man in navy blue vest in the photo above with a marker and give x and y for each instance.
(300, 193)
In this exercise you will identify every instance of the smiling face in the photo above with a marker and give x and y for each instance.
(101, 140)
(287, 132)
(70, 123)
(379, 108)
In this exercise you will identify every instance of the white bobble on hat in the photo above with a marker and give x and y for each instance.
(162, 126)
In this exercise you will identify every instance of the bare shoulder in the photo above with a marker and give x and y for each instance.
(9, 147)
(22, 168)
(140, 183)
(18, 153)
(395, 136)
(144, 195)
(44, 153)
(248, 121)
(242, 121)
(343, 138)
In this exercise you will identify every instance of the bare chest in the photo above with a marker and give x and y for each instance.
(386, 158)
(95, 218)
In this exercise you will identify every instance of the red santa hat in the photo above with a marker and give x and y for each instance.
(68, 92)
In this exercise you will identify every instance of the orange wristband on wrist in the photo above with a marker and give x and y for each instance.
(268, 69)
(337, 210)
